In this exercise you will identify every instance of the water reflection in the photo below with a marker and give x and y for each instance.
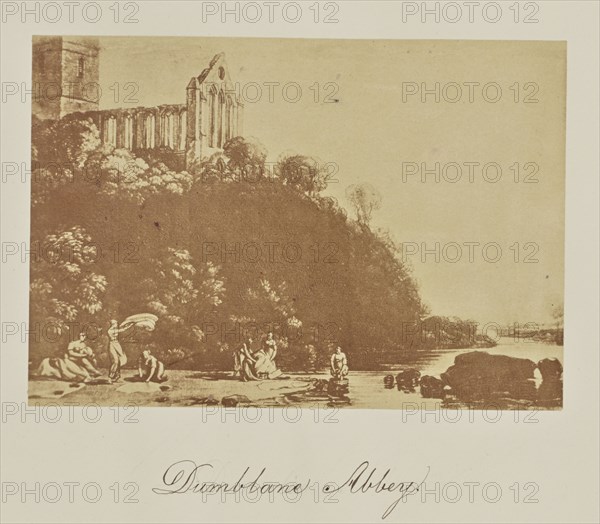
(511, 385)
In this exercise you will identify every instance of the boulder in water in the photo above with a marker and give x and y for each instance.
(320, 385)
(388, 381)
(431, 387)
(477, 375)
(550, 369)
(408, 379)
(550, 393)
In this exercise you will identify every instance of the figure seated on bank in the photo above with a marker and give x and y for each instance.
(76, 364)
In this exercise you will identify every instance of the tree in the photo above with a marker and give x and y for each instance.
(181, 295)
(68, 141)
(303, 172)
(349, 284)
(69, 152)
(64, 286)
(215, 168)
(269, 308)
(247, 156)
(60, 151)
(365, 199)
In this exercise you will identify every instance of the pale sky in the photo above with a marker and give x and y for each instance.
(370, 132)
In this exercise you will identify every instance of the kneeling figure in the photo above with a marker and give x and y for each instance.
(150, 368)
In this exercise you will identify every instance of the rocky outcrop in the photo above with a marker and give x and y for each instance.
(431, 387)
(407, 380)
(550, 368)
(480, 376)
(388, 381)
(550, 392)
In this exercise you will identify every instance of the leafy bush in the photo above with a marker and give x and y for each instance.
(214, 260)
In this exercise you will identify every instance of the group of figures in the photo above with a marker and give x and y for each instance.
(78, 363)
(260, 365)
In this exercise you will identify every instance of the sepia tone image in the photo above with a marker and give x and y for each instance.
(296, 222)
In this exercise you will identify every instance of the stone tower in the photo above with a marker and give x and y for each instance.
(65, 75)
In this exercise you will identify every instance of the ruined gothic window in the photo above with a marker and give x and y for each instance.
(139, 120)
(111, 131)
(229, 119)
(128, 135)
(212, 114)
(149, 129)
(171, 131)
(163, 130)
(220, 126)
(80, 67)
(167, 130)
(182, 129)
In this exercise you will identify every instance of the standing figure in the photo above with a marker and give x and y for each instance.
(339, 364)
(271, 350)
(237, 364)
(115, 351)
(265, 366)
(150, 368)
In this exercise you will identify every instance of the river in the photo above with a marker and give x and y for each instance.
(367, 391)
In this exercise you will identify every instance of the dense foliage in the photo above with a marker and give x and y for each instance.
(215, 253)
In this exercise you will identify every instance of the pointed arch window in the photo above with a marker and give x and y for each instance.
(182, 129)
(166, 130)
(128, 132)
(149, 131)
(228, 119)
(220, 128)
(212, 116)
(111, 131)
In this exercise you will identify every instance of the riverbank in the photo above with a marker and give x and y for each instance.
(366, 388)
(183, 388)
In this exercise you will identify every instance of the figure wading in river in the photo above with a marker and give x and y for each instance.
(339, 364)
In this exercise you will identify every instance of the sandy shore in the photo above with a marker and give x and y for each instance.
(183, 388)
